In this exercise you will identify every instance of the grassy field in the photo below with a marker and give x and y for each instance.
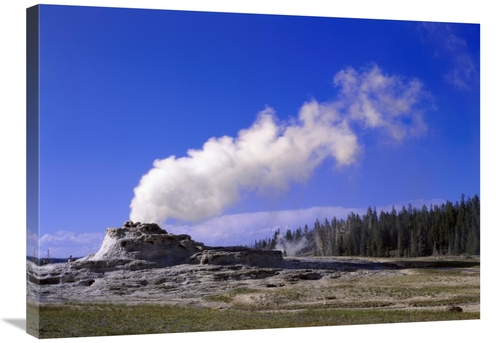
(76, 320)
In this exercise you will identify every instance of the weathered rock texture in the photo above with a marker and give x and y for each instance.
(139, 246)
(144, 257)
(142, 242)
(239, 255)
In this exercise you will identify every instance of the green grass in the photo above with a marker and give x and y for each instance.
(77, 320)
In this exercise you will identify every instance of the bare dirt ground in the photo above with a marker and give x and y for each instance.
(306, 283)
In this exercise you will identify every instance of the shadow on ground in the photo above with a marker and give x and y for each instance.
(355, 264)
(19, 323)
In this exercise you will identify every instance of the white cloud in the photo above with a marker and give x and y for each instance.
(65, 243)
(31, 243)
(270, 155)
(381, 101)
(245, 228)
(463, 68)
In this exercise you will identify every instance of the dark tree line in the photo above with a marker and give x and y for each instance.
(446, 229)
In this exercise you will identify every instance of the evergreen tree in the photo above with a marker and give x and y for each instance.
(333, 242)
(448, 228)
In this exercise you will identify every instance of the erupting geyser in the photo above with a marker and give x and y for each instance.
(272, 154)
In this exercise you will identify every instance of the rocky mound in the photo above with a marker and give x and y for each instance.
(137, 248)
(146, 245)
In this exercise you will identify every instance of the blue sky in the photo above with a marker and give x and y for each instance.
(287, 119)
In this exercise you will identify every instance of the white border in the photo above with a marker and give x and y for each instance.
(12, 168)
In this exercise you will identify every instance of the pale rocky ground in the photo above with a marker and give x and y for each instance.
(139, 263)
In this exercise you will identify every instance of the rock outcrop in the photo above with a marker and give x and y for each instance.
(145, 245)
(239, 255)
(146, 256)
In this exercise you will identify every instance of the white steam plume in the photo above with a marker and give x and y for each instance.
(270, 154)
(290, 248)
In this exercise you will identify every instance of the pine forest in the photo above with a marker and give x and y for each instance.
(446, 229)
